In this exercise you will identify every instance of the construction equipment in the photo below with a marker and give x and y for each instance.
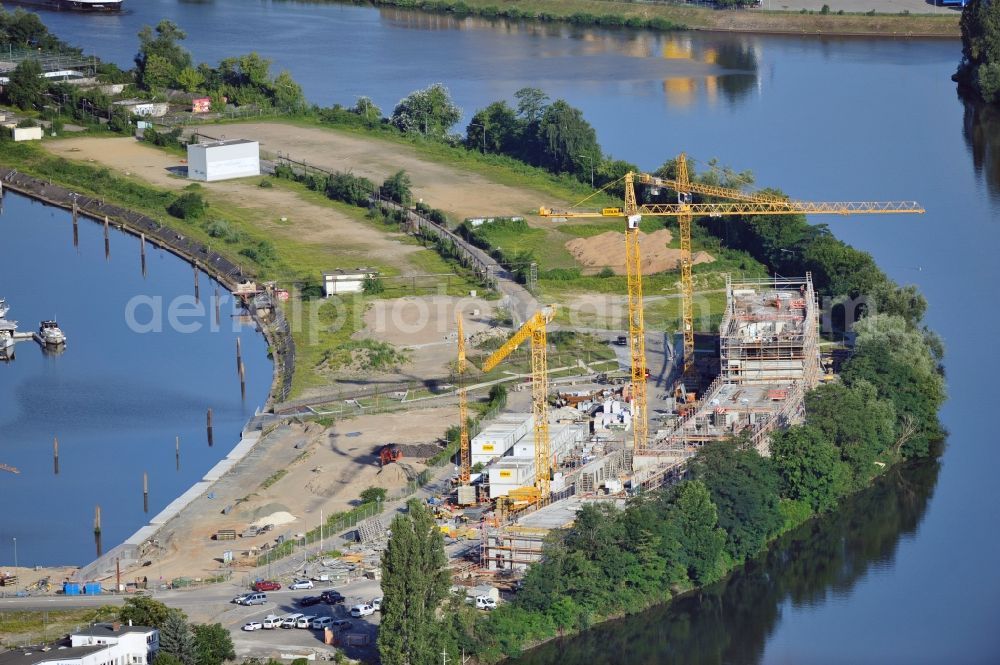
(739, 203)
(465, 470)
(9, 469)
(389, 454)
(534, 329)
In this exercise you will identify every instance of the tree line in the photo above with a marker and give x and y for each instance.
(979, 69)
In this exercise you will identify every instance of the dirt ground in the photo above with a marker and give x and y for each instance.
(425, 327)
(608, 250)
(459, 193)
(306, 221)
(327, 469)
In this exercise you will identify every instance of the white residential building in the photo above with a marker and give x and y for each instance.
(99, 644)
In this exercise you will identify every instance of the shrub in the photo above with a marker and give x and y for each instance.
(188, 206)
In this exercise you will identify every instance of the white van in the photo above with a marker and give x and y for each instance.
(271, 621)
(363, 610)
(305, 621)
(485, 603)
(320, 623)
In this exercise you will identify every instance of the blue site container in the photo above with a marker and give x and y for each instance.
(71, 588)
(92, 588)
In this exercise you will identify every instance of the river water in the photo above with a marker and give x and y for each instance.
(907, 573)
(119, 394)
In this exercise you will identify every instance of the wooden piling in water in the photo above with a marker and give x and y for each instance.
(218, 309)
(177, 452)
(107, 240)
(209, 426)
(145, 492)
(239, 356)
(76, 227)
(142, 252)
(97, 530)
(243, 381)
(55, 454)
(197, 299)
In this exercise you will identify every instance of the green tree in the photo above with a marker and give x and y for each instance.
(373, 495)
(856, 421)
(144, 611)
(744, 488)
(414, 583)
(564, 135)
(164, 43)
(397, 187)
(188, 206)
(26, 85)
(164, 658)
(810, 467)
(980, 65)
(495, 129)
(288, 95)
(177, 639)
(430, 111)
(531, 103)
(701, 541)
(189, 79)
(366, 108)
(212, 644)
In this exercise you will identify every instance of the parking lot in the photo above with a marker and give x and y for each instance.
(300, 642)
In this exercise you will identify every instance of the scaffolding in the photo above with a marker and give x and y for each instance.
(770, 332)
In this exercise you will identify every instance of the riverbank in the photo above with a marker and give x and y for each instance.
(607, 13)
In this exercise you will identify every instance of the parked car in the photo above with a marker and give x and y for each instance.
(300, 584)
(288, 623)
(331, 597)
(254, 599)
(271, 622)
(485, 603)
(304, 621)
(341, 624)
(239, 599)
(265, 585)
(253, 625)
(377, 604)
(319, 623)
(362, 610)
(309, 601)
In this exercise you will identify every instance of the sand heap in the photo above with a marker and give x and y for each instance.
(608, 250)
(277, 519)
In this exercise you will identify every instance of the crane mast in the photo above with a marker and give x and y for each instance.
(534, 329)
(465, 470)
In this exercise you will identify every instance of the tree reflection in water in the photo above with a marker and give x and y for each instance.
(981, 128)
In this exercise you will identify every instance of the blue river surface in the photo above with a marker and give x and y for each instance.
(906, 574)
(122, 391)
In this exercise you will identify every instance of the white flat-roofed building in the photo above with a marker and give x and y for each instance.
(223, 160)
(346, 281)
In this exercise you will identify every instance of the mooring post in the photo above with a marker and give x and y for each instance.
(145, 492)
(177, 452)
(55, 454)
(239, 355)
(107, 241)
(76, 227)
(197, 299)
(210, 437)
(97, 529)
(142, 252)
(243, 381)
(218, 308)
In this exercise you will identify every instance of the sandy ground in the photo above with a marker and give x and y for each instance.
(459, 193)
(608, 250)
(327, 469)
(425, 327)
(306, 221)
(860, 6)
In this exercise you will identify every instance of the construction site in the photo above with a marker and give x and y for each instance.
(600, 444)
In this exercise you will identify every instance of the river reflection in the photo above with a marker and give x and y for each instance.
(981, 129)
(731, 622)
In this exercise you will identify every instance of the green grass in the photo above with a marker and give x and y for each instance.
(18, 627)
(273, 478)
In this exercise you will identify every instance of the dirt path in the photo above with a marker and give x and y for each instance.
(459, 193)
(306, 221)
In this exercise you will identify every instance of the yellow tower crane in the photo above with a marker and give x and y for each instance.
(534, 329)
(465, 470)
(740, 203)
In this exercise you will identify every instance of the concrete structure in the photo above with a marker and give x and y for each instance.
(144, 108)
(223, 160)
(346, 281)
(99, 644)
(27, 133)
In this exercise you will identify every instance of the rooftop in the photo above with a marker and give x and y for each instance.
(111, 630)
(36, 655)
(224, 142)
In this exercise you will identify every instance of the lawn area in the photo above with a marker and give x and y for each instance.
(33, 627)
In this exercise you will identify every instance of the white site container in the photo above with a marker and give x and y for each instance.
(510, 473)
(223, 160)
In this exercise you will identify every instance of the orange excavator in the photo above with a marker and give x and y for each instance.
(389, 454)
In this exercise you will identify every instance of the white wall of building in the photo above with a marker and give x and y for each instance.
(223, 160)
